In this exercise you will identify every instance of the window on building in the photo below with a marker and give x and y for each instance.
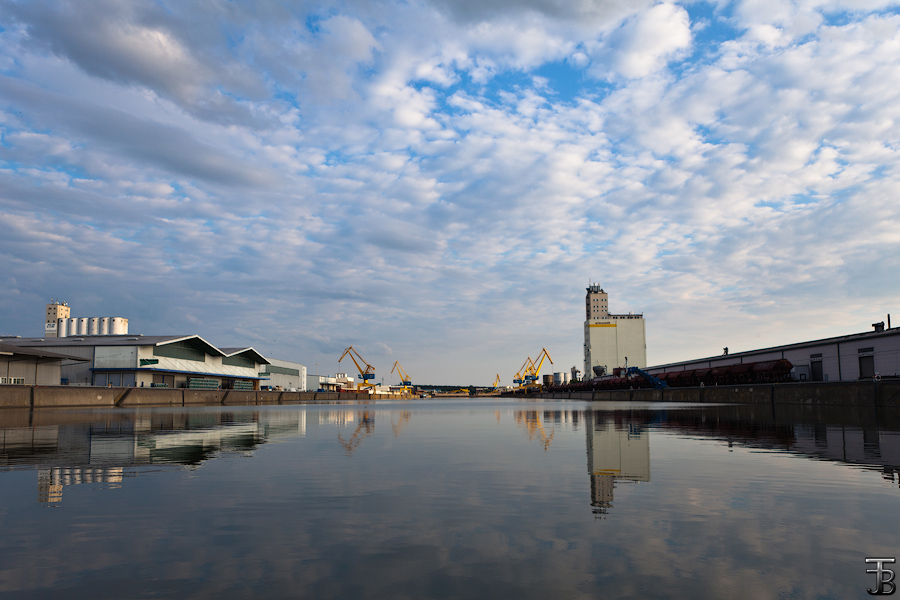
(239, 361)
(183, 350)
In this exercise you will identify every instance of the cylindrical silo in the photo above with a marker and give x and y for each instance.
(95, 326)
(557, 378)
(104, 325)
(83, 326)
(118, 326)
(62, 327)
(73, 326)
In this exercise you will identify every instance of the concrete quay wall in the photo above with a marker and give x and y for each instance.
(28, 396)
(854, 393)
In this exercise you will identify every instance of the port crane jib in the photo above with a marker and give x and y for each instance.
(533, 374)
(367, 373)
(405, 379)
(519, 380)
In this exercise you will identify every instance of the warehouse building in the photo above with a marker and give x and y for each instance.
(284, 375)
(868, 355)
(31, 366)
(611, 340)
(151, 361)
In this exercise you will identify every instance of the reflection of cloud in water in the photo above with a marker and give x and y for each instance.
(460, 504)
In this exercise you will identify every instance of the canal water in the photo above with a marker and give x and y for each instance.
(459, 498)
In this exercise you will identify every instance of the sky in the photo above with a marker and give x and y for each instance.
(436, 182)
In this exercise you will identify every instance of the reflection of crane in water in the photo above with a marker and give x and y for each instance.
(363, 430)
(404, 419)
(534, 426)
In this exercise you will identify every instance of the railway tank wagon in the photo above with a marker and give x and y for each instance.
(774, 371)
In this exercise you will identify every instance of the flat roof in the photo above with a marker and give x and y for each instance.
(10, 349)
(98, 340)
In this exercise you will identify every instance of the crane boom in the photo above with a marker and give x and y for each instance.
(534, 373)
(404, 378)
(364, 374)
(519, 379)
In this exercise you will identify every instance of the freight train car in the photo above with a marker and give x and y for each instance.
(774, 371)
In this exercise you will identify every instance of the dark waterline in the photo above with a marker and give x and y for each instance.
(482, 498)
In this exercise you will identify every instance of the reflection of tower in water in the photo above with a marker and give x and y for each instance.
(617, 452)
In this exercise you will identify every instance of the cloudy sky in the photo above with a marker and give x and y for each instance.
(437, 181)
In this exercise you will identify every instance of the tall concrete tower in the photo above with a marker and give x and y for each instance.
(611, 340)
(55, 310)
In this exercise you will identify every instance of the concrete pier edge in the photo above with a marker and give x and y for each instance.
(884, 393)
(62, 396)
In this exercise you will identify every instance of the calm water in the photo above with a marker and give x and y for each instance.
(484, 498)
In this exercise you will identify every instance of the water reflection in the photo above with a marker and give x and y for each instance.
(364, 429)
(106, 447)
(99, 448)
(494, 499)
(865, 438)
(618, 452)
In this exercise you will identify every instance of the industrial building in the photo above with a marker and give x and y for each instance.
(283, 375)
(611, 340)
(323, 383)
(99, 351)
(868, 355)
(32, 366)
(151, 361)
(60, 323)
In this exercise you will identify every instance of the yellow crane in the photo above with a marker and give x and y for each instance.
(519, 379)
(405, 380)
(497, 381)
(531, 378)
(366, 374)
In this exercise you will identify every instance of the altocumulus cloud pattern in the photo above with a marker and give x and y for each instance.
(437, 181)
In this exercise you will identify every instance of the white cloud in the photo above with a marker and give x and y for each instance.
(644, 44)
(375, 175)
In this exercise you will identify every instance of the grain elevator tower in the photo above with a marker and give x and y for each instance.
(611, 340)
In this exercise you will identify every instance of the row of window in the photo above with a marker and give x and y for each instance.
(185, 351)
